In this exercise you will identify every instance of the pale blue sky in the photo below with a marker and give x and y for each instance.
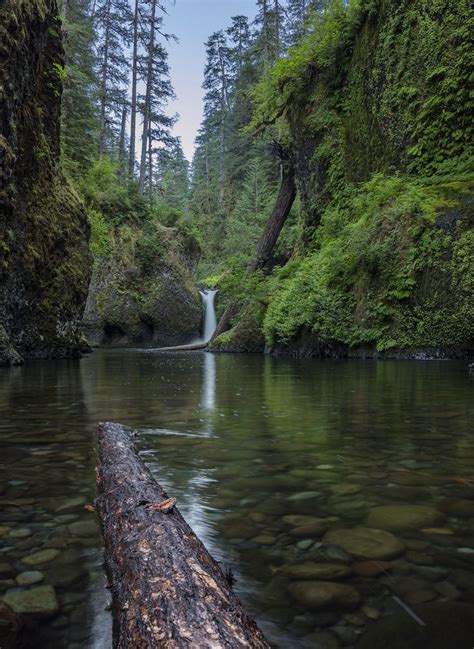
(192, 21)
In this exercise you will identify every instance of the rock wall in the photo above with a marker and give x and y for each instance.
(44, 258)
(142, 292)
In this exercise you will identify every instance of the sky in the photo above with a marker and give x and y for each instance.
(193, 21)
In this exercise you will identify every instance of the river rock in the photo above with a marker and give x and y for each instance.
(20, 533)
(365, 542)
(40, 600)
(313, 570)
(29, 578)
(298, 520)
(83, 528)
(321, 640)
(4, 530)
(420, 596)
(43, 556)
(264, 539)
(72, 503)
(461, 508)
(371, 568)
(345, 489)
(317, 528)
(304, 495)
(397, 518)
(420, 558)
(320, 594)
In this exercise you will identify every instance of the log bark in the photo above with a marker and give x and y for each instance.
(168, 592)
(191, 347)
(276, 221)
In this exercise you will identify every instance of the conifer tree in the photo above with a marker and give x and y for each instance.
(154, 70)
(79, 122)
(113, 19)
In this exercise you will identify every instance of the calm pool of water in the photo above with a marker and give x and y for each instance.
(268, 459)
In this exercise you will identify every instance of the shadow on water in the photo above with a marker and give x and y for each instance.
(254, 449)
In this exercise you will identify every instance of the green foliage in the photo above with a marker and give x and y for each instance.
(100, 241)
(363, 282)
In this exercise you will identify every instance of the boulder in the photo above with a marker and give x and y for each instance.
(314, 570)
(398, 518)
(40, 600)
(320, 594)
(365, 542)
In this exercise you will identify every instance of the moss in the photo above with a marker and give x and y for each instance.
(46, 264)
(377, 109)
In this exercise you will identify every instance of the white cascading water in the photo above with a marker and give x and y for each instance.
(208, 297)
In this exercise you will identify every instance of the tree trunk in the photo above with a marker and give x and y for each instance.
(103, 99)
(133, 107)
(168, 592)
(271, 232)
(147, 107)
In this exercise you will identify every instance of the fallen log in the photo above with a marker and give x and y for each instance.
(167, 590)
(191, 347)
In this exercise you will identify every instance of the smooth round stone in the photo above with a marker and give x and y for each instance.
(4, 530)
(20, 533)
(304, 495)
(313, 570)
(320, 594)
(43, 556)
(316, 528)
(371, 568)
(420, 596)
(297, 520)
(72, 503)
(448, 624)
(448, 590)
(257, 517)
(442, 531)
(403, 517)
(305, 544)
(371, 612)
(83, 528)
(461, 508)
(345, 489)
(29, 578)
(264, 539)
(321, 640)
(239, 530)
(40, 600)
(420, 558)
(365, 542)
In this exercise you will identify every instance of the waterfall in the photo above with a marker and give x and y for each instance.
(210, 323)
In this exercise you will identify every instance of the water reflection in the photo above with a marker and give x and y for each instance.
(243, 442)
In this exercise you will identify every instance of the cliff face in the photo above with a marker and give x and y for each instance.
(142, 291)
(44, 258)
(380, 126)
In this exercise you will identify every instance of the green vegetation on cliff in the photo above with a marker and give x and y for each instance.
(375, 108)
(44, 258)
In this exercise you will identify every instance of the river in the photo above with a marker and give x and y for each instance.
(264, 455)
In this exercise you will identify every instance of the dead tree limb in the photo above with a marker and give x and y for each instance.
(168, 592)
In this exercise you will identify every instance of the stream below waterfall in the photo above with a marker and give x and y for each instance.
(264, 456)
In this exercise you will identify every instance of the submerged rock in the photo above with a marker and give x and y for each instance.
(40, 600)
(313, 570)
(320, 594)
(42, 556)
(365, 542)
(29, 578)
(397, 518)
